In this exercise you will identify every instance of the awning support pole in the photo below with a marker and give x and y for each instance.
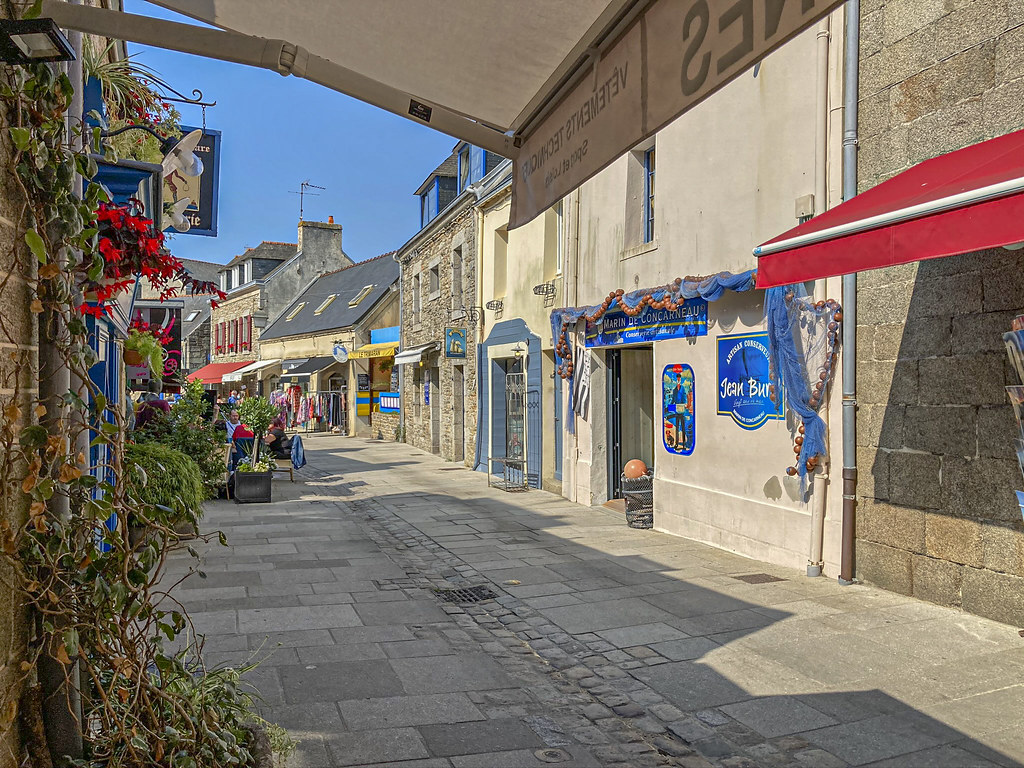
(851, 72)
(277, 55)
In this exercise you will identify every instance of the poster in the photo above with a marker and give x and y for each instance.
(167, 318)
(617, 327)
(581, 383)
(455, 342)
(744, 387)
(363, 380)
(678, 411)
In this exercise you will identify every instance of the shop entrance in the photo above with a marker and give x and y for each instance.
(435, 410)
(458, 413)
(630, 411)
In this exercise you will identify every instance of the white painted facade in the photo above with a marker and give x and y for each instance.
(728, 175)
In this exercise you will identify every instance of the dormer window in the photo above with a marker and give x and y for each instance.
(361, 295)
(326, 303)
(291, 315)
(192, 316)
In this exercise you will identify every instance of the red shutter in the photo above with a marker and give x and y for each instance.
(216, 338)
(248, 335)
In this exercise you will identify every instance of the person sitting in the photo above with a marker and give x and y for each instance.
(279, 442)
(234, 422)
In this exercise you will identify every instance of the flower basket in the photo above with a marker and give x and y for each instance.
(131, 357)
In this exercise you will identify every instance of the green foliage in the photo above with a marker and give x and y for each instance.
(169, 480)
(151, 350)
(185, 429)
(257, 413)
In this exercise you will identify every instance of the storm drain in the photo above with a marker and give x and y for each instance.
(758, 578)
(464, 594)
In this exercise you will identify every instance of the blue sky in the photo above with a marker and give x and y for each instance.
(279, 131)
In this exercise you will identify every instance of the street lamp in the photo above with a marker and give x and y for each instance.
(25, 41)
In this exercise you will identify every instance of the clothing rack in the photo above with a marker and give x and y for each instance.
(309, 411)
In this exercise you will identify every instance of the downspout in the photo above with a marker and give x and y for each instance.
(851, 69)
(815, 558)
(478, 282)
(401, 324)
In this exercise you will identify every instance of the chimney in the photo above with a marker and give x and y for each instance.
(320, 244)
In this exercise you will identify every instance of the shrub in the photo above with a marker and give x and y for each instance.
(169, 479)
(257, 413)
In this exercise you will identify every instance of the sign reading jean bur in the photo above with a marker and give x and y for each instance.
(617, 328)
(744, 387)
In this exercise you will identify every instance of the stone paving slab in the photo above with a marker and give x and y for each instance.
(620, 647)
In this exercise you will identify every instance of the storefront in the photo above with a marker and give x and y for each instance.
(376, 377)
(212, 376)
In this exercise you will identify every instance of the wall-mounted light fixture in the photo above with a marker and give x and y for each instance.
(518, 351)
(25, 41)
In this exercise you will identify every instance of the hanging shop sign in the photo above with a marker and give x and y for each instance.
(390, 402)
(581, 384)
(202, 190)
(455, 342)
(744, 387)
(340, 353)
(677, 408)
(616, 328)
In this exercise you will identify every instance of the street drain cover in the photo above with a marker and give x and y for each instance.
(552, 755)
(465, 594)
(758, 578)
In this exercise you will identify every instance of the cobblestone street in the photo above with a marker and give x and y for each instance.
(598, 645)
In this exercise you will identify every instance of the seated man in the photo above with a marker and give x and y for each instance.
(278, 441)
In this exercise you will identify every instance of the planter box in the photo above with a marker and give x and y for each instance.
(252, 487)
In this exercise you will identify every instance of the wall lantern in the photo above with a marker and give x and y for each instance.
(26, 41)
(518, 351)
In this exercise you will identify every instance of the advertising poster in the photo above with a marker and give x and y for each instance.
(744, 387)
(455, 342)
(169, 320)
(677, 407)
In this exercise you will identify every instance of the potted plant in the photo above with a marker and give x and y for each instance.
(143, 348)
(254, 473)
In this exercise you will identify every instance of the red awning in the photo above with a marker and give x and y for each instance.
(964, 201)
(212, 373)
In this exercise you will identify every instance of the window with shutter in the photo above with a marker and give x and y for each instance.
(248, 333)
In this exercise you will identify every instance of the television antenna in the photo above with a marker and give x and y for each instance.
(304, 188)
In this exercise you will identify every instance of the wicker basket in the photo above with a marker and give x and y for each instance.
(639, 495)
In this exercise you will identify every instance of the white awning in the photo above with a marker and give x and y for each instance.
(414, 354)
(562, 88)
(251, 368)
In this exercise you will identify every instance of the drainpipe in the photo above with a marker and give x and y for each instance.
(401, 323)
(815, 558)
(851, 69)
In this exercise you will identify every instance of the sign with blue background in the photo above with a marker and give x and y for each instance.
(390, 402)
(618, 328)
(455, 342)
(744, 387)
(202, 191)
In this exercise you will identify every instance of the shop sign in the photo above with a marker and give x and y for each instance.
(678, 411)
(390, 402)
(202, 190)
(168, 319)
(455, 342)
(617, 328)
(744, 387)
(340, 353)
(363, 382)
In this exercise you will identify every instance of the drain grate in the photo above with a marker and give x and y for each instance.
(758, 578)
(465, 594)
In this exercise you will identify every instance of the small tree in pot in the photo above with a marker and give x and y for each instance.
(256, 413)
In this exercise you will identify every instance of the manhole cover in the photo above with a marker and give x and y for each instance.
(552, 755)
(758, 578)
(465, 594)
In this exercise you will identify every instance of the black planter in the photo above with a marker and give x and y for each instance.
(251, 487)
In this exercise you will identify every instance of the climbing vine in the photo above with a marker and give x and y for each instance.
(87, 559)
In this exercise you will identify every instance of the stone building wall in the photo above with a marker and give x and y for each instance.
(229, 309)
(937, 516)
(453, 232)
(197, 346)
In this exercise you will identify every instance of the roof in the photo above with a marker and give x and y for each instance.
(268, 249)
(449, 167)
(345, 285)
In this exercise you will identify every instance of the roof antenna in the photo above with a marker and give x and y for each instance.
(303, 187)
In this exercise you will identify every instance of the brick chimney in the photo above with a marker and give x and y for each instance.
(320, 244)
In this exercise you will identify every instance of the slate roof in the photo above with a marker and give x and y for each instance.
(449, 167)
(268, 249)
(380, 272)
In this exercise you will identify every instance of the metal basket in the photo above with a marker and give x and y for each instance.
(639, 496)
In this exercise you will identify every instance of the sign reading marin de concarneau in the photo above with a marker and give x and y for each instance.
(744, 387)
(650, 325)
(675, 54)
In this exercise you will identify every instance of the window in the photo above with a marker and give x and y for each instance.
(325, 304)
(294, 312)
(416, 298)
(559, 238)
(192, 316)
(434, 282)
(464, 166)
(363, 293)
(241, 273)
(424, 210)
(225, 280)
(457, 278)
(649, 195)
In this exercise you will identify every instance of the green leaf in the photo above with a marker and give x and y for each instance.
(223, 538)
(33, 436)
(71, 641)
(22, 138)
(36, 245)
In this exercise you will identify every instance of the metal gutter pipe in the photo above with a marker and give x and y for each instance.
(851, 73)
(401, 372)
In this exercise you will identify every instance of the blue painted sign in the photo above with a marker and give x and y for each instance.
(617, 328)
(455, 342)
(203, 191)
(389, 402)
(744, 387)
